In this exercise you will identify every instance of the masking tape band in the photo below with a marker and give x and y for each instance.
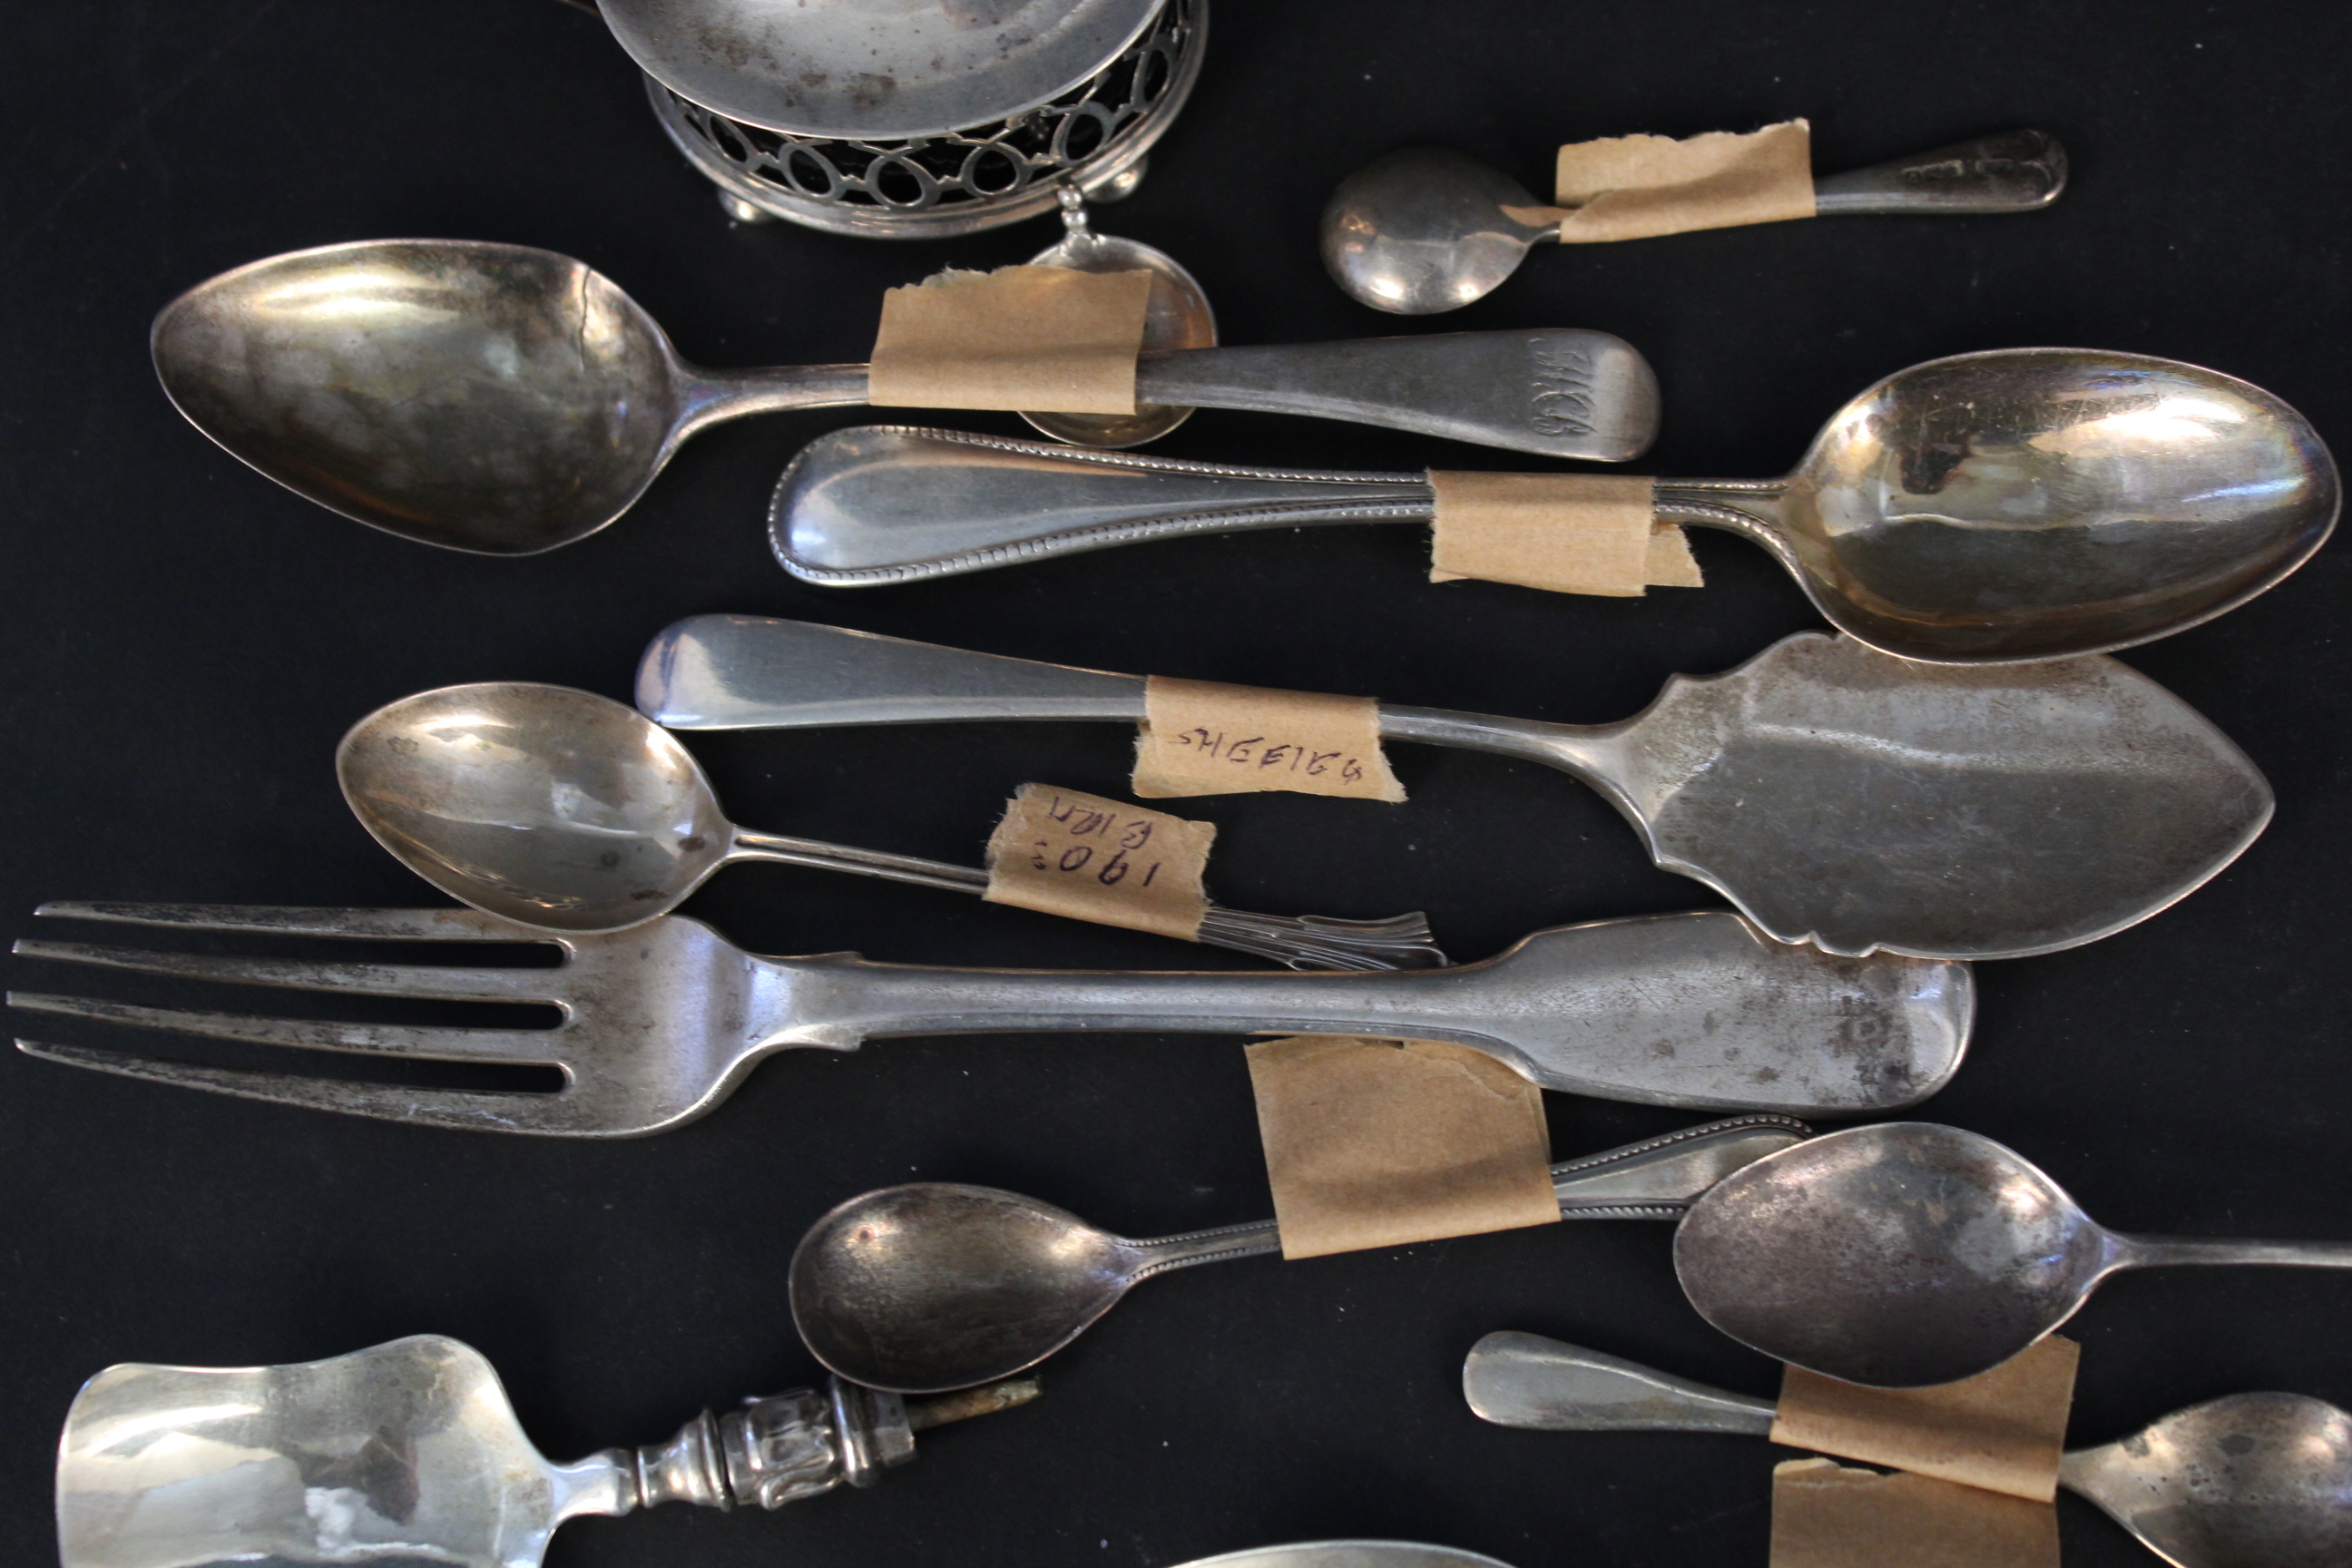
(2003, 1430)
(1568, 533)
(1203, 738)
(1065, 852)
(1048, 339)
(1825, 1515)
(1634, 187)
(1381, 1142)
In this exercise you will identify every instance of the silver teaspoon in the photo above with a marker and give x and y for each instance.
(409, 1453)
(2253, 1481)
(505, 400)
(1426, 229)
(2017, 504)
(933, 1286)
(1836, 796)
(568, 811)
(1908, 1254)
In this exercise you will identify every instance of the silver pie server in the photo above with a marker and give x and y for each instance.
(407, 1455)
(505, 400)
(1426, 229)
(932, 1286)
(1836, 796)
(2252, 1480)
(2010, 505)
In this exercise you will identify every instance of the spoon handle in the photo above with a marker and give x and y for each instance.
(1528, 1381)
(2015, 171)
(1301, 941)
(2172, 1251)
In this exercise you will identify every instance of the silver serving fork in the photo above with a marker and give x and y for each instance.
(662, 1021)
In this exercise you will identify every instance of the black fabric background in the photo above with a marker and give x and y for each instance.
(184, 642)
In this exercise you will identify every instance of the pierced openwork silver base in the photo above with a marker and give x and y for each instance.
(1093, 137)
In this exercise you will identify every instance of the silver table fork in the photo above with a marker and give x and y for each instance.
(661, 1022)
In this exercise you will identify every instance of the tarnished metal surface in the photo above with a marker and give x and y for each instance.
(661, 1022)
(1836, 796)
(871, 69)
(933, 1285)
(504, 400)
(566, 810)
(1426, 229)
(407, 1455)
(1907, 1254)
(2253, 1481)
(2000, 506)
(1176, 316)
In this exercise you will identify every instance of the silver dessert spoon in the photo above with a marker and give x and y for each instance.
(934, 1286)
(1836, 796)
(1426, 229)
(568, 811)
(410, 1453)
(2017, 504)
(506, 400)
(2253, 1481)
(1907, 1254)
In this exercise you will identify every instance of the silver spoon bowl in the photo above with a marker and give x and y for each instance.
(1426, 229)
(2253, 1481)
(1906, 1254)
(1177, 316)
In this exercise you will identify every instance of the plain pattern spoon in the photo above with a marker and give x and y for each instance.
(1836, 796)
(2015, 504)
(505, 400)
(2252, 1480)
(932, 1285)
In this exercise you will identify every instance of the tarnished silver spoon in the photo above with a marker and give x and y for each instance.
(572, 812)
(2016, 504)
(933, 1286)
(2253, 1481)
(408, 1452)
(1907, 1254)
(1426, 229)
(506, 400)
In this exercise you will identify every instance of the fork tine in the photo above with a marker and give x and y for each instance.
(389, 925)
(470, 1109)
(534, 1048)
(368, 979)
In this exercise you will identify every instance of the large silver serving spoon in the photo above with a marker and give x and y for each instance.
(2018, 504)
(1907, 1254)
(934, 1286)
(568, 811)
(409, 1454)
(2253, 1481)
(506, 400)
(1426, 229)
(1834, 795)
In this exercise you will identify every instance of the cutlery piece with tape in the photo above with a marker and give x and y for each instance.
(563, 809)
(932, 1286)
(1836, 796)
(2248, 1480)
(505, 400)
(2016, 504)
